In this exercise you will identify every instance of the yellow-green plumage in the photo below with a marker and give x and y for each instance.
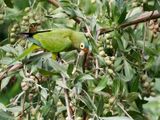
(59, 40)
(55, 41)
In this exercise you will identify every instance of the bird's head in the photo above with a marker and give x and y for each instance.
(80, 42)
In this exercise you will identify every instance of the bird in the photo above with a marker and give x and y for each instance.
(59, 40)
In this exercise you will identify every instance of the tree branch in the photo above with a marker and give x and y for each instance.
(54, 2)
(144, 17)
(10, 69)
(67, 101)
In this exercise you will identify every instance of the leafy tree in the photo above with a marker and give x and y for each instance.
(118, 79)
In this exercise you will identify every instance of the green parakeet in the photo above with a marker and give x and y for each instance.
(57, 40)
(60, 39)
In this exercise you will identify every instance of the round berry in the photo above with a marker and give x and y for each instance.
(110, 71)
(102, 53)
(27, 9)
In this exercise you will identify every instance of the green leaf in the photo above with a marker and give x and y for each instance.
(3, 107)
(115, 118)
(25, 53)
(47, 73)
(158, 5)
(44, 94)
(129, 72)
(101, 61)
(157, 84)
(123, 15)
(100, 106)
(59, 68)
(101, 85)
(116, 86)
(6, 116)
(86, 99)
(134, 84)
(15, 109)
(5, 82)
(132, 96)
(86, 77)
(9, 3)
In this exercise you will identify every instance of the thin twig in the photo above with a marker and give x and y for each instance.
(10, 69)
(144, 17)
(54, 2)
(23, 105)
(66, 96)
(97, 68)
(144, 38)
(119, 104)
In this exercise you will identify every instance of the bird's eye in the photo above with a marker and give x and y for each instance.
(82, 45)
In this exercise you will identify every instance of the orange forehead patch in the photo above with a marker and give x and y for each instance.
(85, 50)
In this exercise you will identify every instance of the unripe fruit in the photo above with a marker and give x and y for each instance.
(93, 1)
(152, 89)
(15, 26)
(1, 16)
(33, 111)
(111, 100)
(107, 41)
(146, 84)
(12, 34)
(12, 40)
(106, 58)
(134, 4)
(110, 71)
(151, 22)
(8, 54)
(23, 22)
(106, 105)
(31, 14)
(24, 86)
(144, 77)
(13, 30)
(32, 77)
(100, 48)
(153, 94)
(59, 103)
(108, 62)
(110, 46)
(27, 9)
(156, 26)
(102, 53)
(79, 118)
(113, 58)
(108, 35)
(152, 84)
(25, 18)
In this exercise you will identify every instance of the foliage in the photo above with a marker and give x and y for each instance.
(115, 79)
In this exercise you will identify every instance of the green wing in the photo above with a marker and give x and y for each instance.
(55, 41)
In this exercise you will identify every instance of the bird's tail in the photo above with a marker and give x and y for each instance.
(26, 34)
(30, 34)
